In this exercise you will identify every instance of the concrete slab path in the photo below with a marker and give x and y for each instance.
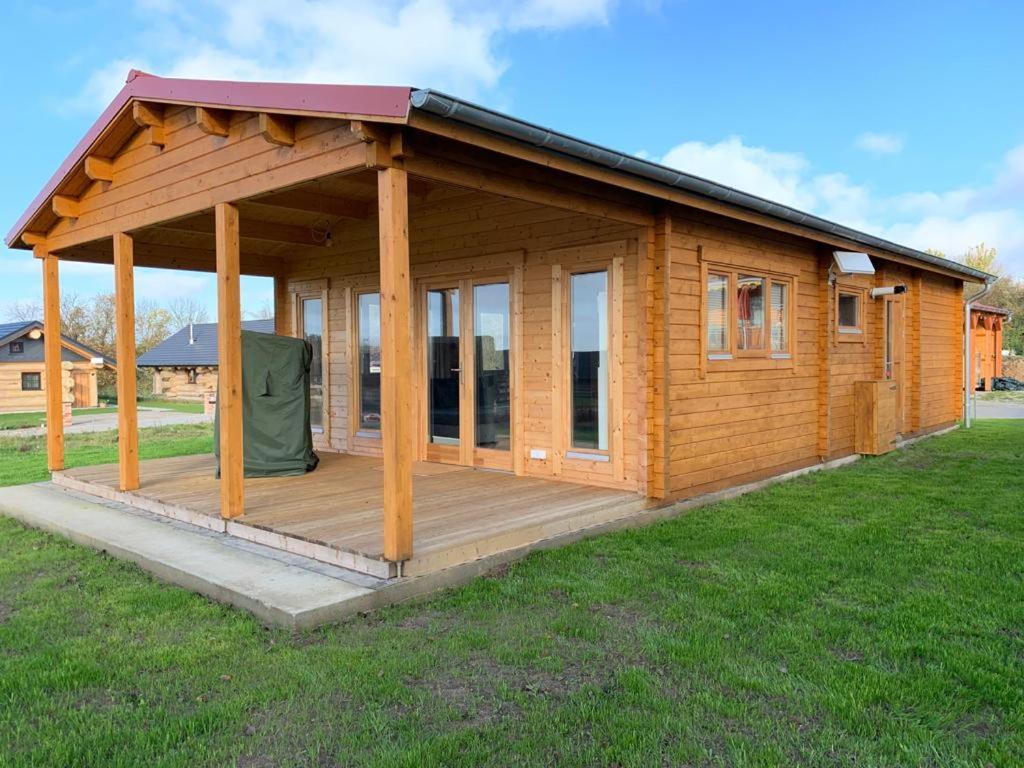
(277, 587)
(993, 409)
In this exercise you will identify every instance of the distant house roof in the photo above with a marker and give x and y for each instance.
(196, 348)
(989, 310)
(13, 331)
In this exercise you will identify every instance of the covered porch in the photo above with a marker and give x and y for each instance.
(336, 205)
(334, 515)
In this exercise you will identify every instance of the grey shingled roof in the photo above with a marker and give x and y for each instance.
(14, 331)
(175, 350)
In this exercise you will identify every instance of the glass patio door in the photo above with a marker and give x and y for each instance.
(444, 370)
(468, 358)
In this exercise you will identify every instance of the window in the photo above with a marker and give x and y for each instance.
(312, 331)
(780, 317)
(17, 347)
(588, 318)
(756, 306)
(718, 313)
(31, 382)
(191, 375)
(750, 313)
(848, 311)
(368, 330)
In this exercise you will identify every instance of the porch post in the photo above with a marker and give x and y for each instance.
(51, 357)
(396, 362)
(229, 357)
(124, 319)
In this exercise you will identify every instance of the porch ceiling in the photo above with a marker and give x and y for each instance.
(274, 227)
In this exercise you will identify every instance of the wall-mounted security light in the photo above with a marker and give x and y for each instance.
(853, 263)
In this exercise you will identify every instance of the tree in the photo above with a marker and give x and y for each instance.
(983, 258)
(153, 324)
(23, 311)
(264, 311)
(185, 310)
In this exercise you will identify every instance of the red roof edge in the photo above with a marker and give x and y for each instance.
(989, 309)
(383, 101)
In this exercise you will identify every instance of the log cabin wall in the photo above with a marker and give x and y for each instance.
(740, 420)
(452, 231)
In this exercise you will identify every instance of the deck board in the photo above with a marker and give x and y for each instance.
(457, 511)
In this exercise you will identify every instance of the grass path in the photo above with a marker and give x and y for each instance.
(867, 616)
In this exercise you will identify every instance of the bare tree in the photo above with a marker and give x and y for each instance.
(264, 311)
(23, 311)
(184, 310)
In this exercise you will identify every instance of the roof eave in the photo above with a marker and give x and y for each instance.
(451, 108)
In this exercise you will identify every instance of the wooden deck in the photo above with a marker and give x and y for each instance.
(335, 514)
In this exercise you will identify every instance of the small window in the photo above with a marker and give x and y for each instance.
(17, 347)
(31, 382)
(849, 312)
(369, 361)
(191, 375)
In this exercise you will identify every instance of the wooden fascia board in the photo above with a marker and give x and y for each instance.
(127, 111)
(511, 148)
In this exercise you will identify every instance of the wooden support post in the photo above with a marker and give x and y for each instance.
(229, 357)
(396, 362)
(127, 408)
(51, 355)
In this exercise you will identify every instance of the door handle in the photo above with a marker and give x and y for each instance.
(456, 370)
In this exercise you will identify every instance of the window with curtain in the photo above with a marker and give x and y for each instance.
(762, 313)
(749, 312)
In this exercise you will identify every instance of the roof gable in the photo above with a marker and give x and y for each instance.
(13, 331)
(375, 102)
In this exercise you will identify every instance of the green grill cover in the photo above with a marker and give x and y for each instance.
(276, 436)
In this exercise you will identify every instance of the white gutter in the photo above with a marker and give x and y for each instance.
(968, 378)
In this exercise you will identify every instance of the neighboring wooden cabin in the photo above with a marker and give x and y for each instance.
(22, 379)
(487, 293)
(184, 364)
(986, 344)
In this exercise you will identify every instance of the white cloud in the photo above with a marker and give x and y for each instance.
(879, 143)
(949, 220)
(446, 44)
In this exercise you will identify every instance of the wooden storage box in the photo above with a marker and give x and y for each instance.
(875, 416)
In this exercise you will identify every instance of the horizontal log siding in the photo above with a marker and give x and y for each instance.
(744, 418)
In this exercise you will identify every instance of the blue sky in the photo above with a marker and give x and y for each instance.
(903, 119)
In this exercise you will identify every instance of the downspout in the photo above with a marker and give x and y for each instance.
(968, 378)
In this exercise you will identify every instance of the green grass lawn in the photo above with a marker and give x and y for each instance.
(868, 616)
(23, 459)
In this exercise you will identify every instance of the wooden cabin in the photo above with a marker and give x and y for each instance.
(986, 344)
(184, 365)
(22, 370)
(512, 327)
